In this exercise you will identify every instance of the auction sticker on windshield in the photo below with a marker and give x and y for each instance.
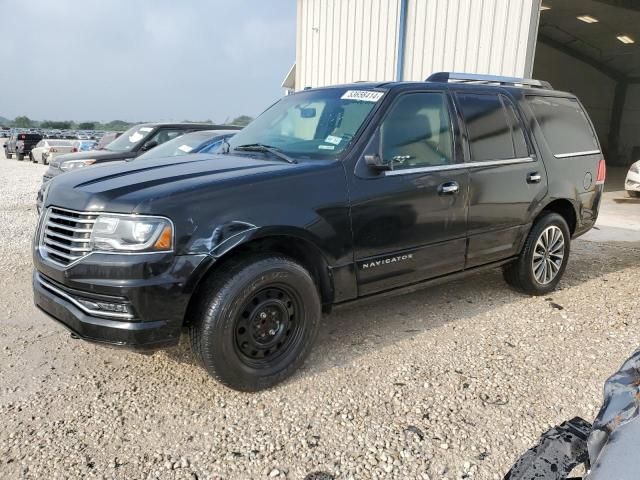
(362, 95)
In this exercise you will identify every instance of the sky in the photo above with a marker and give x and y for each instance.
(143, 60)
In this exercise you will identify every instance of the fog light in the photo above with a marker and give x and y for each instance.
(106, 306)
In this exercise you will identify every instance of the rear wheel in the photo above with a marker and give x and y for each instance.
(20, 156)
(9, 155)
(256, 320)
(543, 259)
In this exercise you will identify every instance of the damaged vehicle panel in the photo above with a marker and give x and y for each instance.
(331, 195)
(608, 449)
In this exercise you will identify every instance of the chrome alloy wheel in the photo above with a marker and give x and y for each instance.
(548, 255)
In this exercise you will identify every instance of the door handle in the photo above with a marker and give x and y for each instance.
(534, 177)
(448, 188)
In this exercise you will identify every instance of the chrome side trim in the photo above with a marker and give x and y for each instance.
(578, 154)
(57, 291)
(458, 166)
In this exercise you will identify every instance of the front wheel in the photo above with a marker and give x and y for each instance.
(544, 257)
(255, 321)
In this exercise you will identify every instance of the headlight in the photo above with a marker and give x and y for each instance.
(74, 164)
(635, 168)
(121, 233)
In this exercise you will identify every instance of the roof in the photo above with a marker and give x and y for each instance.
(200, 126)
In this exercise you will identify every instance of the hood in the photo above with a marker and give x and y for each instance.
(99, 155)
(122, 187)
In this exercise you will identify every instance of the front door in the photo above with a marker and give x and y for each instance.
(507, 179)
(409, 223)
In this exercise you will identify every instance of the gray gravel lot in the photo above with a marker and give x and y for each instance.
(451, 382)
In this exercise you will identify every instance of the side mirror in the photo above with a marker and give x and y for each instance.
(375, 162)
(149, 145)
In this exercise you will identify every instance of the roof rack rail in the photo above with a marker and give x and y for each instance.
(445, 77)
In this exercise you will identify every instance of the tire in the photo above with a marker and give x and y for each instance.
(20, 156)
(33, 160)
(633, 194)
(229, 335)
(9, 155)
(523, 275)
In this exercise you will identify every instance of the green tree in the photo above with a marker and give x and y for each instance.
(117, 125)
(57, 124)
(23, 122)
(87, 125)
(242, 120)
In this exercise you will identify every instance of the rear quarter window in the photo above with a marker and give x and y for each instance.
(564, 124)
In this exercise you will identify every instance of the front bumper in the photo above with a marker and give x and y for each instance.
(155, 289)
(632, 182)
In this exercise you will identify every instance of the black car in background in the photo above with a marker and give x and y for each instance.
(205, 141)
(20, 145)
(130, 144)
(331, 195)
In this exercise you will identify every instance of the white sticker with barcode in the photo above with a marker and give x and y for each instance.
(185, 148)
(362, 95)
(333, 139)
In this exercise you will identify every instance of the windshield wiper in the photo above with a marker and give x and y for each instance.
(260, 147)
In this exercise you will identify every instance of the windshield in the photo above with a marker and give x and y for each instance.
(312, 124)
(129, 139)
(179, 146)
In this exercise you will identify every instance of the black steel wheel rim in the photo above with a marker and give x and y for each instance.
(268, 326)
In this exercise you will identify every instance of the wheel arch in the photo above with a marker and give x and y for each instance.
(290, 242)
(565, 208)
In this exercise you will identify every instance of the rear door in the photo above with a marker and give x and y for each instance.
(507, 179)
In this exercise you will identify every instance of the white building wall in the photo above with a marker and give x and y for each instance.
(342, 41)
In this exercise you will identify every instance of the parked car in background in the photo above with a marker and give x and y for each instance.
(206, 141)
(84, 145)
(331, 195)
(130, 144)
(106, 139)
(47, 149)
(632, 182)
(20, 144)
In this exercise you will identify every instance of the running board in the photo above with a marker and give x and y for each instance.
(423, 284)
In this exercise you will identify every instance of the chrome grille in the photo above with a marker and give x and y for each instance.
(66, 235)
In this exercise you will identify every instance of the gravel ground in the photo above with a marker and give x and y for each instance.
(452, 382)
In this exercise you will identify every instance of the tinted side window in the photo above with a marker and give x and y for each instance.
(564, 125)
(488, 128)
(166, 134)
(517, 132)
(417, 131)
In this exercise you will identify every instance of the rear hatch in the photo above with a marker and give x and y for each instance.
(26, 141)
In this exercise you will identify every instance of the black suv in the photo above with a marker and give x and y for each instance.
(331, 195)
(21, 144)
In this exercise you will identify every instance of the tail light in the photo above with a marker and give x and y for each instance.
(53, 150)
(602, 172)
